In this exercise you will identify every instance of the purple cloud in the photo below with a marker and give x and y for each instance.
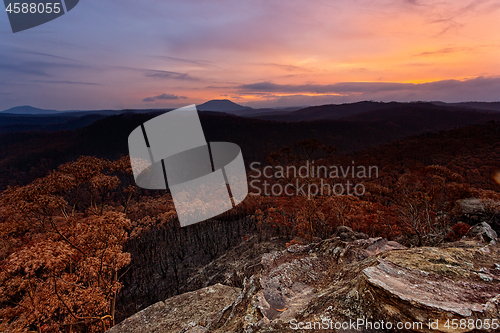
(169, 75)
(164, 97)
(475, 89)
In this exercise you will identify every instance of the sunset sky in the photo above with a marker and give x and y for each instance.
(152, 54)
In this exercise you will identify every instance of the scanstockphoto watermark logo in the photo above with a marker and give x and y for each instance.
(170, 152)
(27, 14)
(309, 179)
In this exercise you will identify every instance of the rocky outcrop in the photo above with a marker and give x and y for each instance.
(180, 311)
(475, 211)
(428, 285)
(347, 234)
(236, 263)
(482, 232)
(334, 282)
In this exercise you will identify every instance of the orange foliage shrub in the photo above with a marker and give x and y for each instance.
(61, 251)
(457, 232)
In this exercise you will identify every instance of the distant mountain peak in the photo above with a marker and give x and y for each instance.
(222, 105)
(27, 109)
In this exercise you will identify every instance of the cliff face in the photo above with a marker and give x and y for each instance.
(337, 282)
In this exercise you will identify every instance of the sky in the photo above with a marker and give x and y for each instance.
(117, 54)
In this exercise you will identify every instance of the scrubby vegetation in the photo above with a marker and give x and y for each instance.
(82, 247)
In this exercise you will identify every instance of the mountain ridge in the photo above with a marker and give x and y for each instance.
(309, 113)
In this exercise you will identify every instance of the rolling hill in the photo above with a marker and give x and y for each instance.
(221, 105)
(22, 153)
(360, 111)
(26, 109)
(330, 111)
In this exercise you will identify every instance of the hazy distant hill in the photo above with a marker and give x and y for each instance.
(26, 109)
(330, 111)
(222, 105)
(388, 112)
(10, 123)
(423, 117)
(407, 118)
(257, 113)
(486, 106)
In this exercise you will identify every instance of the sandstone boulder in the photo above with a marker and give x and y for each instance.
(374, 280)
(473, 211)
(334, 281)
(482, 232)
(182, 311)
(347, 234)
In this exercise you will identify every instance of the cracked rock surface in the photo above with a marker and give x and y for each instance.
(336, 280)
